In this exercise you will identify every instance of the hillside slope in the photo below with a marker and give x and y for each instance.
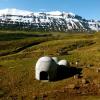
(17, 70)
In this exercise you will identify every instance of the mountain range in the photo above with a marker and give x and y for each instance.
(45, 21)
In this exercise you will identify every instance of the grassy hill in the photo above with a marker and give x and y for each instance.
(19, 52)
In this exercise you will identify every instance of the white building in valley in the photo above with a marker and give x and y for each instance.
(46, 68)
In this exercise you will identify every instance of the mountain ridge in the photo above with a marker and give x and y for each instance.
(46, 21)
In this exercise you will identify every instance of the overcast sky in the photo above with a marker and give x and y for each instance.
(89, 9)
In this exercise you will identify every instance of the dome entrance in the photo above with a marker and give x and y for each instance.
(43, 75)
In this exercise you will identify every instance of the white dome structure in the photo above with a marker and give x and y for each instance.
(63, 62)
(46, 69)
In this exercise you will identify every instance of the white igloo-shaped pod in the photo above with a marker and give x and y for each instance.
(63, 62)
(46, 69)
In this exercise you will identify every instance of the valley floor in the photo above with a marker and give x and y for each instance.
(19, 52)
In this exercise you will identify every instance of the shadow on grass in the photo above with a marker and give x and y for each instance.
(16, 36)
(64, 72)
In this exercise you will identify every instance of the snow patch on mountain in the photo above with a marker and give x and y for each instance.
(54, 13)
(14, 11)
(52, 21)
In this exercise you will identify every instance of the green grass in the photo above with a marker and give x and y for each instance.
(19, 52)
